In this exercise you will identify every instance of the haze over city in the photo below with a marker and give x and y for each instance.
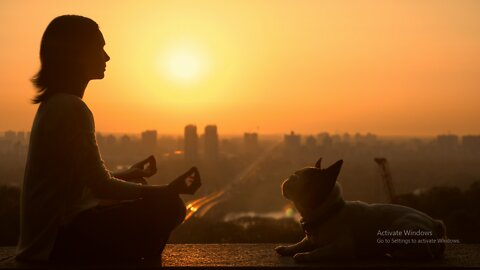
(386, 67)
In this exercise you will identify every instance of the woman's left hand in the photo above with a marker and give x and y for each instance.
(138, 170)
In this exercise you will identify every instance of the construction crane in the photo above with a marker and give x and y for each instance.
(387, 178)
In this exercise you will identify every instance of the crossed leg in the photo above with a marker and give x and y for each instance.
(128, 231)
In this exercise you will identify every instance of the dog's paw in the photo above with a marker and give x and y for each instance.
(282, 250)
(301, 257)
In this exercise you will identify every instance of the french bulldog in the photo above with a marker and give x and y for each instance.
(339, 229)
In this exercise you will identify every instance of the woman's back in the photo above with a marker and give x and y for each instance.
(53, 189)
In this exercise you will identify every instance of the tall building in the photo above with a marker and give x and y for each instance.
(149, 141)
(191, 143)
(211, 143)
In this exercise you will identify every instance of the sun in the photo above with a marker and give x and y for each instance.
(183, 65)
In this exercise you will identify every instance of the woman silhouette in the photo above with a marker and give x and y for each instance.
(63, 217)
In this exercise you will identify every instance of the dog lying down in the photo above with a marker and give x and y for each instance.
(339, 229)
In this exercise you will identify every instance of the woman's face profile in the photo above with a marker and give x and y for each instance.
(94, 59)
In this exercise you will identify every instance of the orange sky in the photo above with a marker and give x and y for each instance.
(387, 67)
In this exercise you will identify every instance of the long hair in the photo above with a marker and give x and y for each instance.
(62, 44)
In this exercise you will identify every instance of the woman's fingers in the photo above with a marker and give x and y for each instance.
(188, 173)
(152, 165)
(152, 161)
(151, 168)
(194, 181)
(188, 182)
(149, 160)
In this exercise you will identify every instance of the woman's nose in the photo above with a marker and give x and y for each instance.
(106, 56)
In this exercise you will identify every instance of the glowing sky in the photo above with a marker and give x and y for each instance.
(388, 67)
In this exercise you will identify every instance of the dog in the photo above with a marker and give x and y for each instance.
(339, 229)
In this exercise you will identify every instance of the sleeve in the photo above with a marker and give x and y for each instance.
(90, 165)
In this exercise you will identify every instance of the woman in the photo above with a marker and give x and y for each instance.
(62, 216)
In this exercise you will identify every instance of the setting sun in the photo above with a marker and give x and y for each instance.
(183, 65)
(337, 66)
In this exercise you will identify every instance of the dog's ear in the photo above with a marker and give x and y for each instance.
(327, 177)
(319, 163)
(334, 170)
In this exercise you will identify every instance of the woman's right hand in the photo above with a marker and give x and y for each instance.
(187, 183)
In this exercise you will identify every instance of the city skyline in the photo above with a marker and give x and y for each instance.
(139, 134)
(210, 138)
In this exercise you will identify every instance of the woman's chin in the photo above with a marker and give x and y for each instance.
(98, 76)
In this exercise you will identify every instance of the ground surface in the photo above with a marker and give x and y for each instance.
(258, 255)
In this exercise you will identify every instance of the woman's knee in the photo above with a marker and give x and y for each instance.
(169, 209)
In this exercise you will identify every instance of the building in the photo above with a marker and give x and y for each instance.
(471, 143)
(447, 141)
(190, 143)
(126, 145)
(21, 136)
(368, 139)
(311, 142)
(211, 143)
(292, 141)
(10, 135)
(149, 141)
(324, 139)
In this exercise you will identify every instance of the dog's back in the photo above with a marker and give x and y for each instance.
(379, 229)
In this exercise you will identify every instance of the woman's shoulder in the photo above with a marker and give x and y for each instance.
(60, 99)
(65, 103)
(65, 106)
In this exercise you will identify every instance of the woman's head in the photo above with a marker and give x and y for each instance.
(71, 52)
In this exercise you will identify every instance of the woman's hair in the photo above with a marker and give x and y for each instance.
(62, 44)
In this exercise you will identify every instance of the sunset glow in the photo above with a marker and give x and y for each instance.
(182, 65)
(387, 67)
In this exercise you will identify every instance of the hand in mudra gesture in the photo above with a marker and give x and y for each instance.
(138, 170)
(187, 183)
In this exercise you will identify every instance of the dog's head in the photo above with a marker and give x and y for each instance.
(310, 187)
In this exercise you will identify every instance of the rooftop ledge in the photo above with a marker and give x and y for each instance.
(258, 255)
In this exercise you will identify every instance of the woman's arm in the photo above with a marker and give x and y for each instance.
(94, 174)
(86, 161)
(105, 186)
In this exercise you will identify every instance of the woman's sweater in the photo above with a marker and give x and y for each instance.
(64, 174)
